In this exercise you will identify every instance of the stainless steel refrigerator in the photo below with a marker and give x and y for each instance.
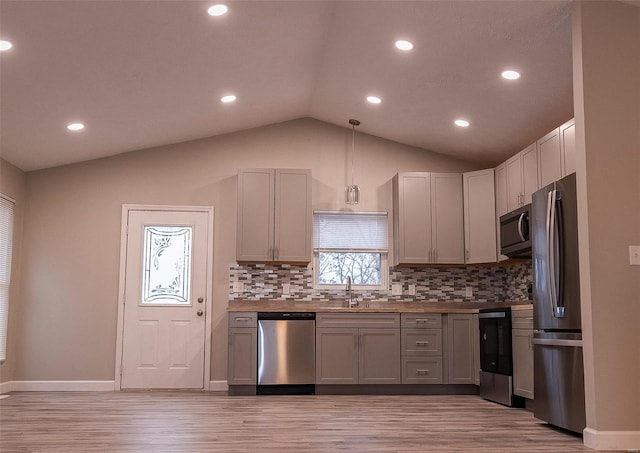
(557, 340)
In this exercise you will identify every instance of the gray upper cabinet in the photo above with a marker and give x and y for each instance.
(479, 217)
(501, 202)
(428, 218)
(522, 177)
(549, 158)
(568, 147)
(274, 215)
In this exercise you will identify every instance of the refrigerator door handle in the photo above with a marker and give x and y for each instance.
(552, 242)
(557, 342)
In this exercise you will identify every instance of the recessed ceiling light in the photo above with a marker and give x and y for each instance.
(75, 126)
(227, 99)
(461, 123)
(217, 10)
(511, 75)
(5, 45)
(403, 44)
(374, 99)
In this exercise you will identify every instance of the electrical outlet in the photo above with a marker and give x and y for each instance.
(412, 290)
(238, 287)
(634, 255)
(468, 291)
(286, 288)
(396, 289)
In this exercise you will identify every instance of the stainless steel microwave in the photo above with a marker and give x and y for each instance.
(515, 235)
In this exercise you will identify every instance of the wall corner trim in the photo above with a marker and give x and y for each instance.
(62, 386)
(218, 386)
(611, 440)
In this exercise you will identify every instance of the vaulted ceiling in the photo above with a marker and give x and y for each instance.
(140, 74)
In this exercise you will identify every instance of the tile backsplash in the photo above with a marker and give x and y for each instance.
(432, 284)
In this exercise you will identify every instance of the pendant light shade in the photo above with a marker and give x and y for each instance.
(352, 192)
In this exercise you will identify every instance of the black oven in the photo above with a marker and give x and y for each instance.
(496, 363)
(515, 236)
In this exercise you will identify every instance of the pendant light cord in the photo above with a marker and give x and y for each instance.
(353, 149)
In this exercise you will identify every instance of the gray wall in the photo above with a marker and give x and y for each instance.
(67, 327)
(606, 62)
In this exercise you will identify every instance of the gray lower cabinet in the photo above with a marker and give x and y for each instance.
(354, 348)
(460, 347)
(522, 336)
(421, 348)
(242, 367)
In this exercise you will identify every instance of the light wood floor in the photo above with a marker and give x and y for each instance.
(206, 422)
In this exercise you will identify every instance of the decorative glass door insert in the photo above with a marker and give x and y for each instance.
(166, 276)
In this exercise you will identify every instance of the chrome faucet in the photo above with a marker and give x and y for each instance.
(352, 303)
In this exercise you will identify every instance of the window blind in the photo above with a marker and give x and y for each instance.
(6, 245)
(350, 231)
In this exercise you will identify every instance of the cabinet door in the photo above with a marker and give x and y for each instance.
(412, 217)
(530, 179)
(254, 241)
(243, 356)
(479, 217)
(293, 214)
(379, 361)
(514, 182)
(460, 349)
(447, 218)
(501, 203)
(568, 147)
(522, 363)
(336, 355)
(476, 348)
(549, 158)
(422, 370)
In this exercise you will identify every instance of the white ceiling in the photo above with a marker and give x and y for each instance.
(146, 73)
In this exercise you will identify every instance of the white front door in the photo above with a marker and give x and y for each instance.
(163, 345)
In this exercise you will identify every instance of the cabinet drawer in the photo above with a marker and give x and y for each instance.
(522, 319)
(422, 370)
(422, 320)
(391, 320)
(421, 342)
(243, 319)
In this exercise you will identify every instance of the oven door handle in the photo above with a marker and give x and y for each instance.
(494, 314)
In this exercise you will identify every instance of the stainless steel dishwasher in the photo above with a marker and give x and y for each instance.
(286, 353)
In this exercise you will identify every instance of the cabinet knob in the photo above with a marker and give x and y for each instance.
(200, 313)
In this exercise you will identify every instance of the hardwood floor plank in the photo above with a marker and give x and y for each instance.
(163, 421)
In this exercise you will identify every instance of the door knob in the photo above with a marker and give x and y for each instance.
(200, 313)
(200, 300)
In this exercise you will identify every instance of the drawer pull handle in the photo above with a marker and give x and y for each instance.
(243, 319)
(422, 343)
(423, 320)
(422, 372)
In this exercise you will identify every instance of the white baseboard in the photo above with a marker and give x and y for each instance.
(611, 440)
(6, 387)
(62, 386)
(218, 386)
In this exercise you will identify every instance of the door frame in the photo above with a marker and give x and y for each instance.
(126, 209)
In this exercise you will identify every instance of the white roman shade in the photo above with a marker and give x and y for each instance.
(350, 231)
(6, 245)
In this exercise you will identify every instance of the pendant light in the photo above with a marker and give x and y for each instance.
(352, 192)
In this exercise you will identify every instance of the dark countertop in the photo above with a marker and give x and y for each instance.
(340, 306)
